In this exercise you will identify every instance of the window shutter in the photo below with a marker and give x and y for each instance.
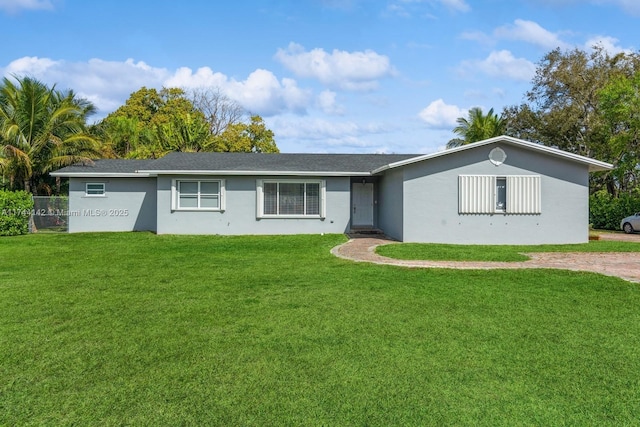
(523, 194)
(476, 194)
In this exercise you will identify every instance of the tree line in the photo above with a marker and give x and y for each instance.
(586, 103)
(43, 129)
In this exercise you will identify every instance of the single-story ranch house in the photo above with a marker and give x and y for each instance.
(498, 191)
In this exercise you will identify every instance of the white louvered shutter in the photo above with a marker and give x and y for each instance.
(476, 194)
(523, 194)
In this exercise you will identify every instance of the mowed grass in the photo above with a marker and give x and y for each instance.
(139, 329)
(497, 253)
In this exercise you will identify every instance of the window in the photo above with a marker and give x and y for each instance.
(488, 194)
(287, 198)
(501, 194)
(94, 189)
(207, 195)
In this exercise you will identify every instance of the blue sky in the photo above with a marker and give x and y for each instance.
(328, 76)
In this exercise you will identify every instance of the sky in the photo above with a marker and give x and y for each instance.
(327, 76)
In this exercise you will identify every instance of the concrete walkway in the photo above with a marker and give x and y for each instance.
(626, 265)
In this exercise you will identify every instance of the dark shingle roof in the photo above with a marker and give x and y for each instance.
(241, 162)
(252, 162)
(106, 166)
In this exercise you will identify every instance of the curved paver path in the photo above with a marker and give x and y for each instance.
(625, 265)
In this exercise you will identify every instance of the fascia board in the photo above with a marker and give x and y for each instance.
(254, 173)
(101, 174)
(594, 165)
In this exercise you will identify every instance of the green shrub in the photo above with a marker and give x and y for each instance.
(15, 210)
(606, 211)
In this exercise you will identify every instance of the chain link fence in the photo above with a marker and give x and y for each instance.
(50, 214)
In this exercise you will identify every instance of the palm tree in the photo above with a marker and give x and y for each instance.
(477, 127)
(41, 129)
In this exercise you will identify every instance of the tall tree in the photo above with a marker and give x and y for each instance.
(563, 106)
(122, 137)
(152, 123)
(218, 109)
(253, 137)
(41, 129)
(620, 107)
(184, 133)
(477, 127)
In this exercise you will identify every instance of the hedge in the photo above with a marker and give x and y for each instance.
(15, 211)
(606, 211)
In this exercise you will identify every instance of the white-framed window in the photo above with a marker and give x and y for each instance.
(94, 189)
(197, 195)
(489, 194)
(501, 194)
(290, 198)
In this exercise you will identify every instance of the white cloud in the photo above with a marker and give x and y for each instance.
(459, 5)
(521, 30)
(31, 65)
(630, 6)
(203, 77)
(502, 64)
(477, 36)
(319, 135)
(106, 83)
(14, 6)
(345, 70)
(440, 115)
(318, 129)
(327, 103)
(530, 32)
(260, 93)
(609, 44)
(109, 83)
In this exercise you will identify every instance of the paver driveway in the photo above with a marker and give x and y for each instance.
(626, 265)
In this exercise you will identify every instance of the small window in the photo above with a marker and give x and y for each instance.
(291, 199)
(501, 194)
(198, 195)
(95, 189)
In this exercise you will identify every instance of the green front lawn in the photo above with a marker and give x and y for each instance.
(139, 329)
(505, 253)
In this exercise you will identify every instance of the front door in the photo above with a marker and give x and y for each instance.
(362, 204)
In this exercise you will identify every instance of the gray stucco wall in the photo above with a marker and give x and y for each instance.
(129, 204)
(240, 214)
(430, 205)
(390, 202)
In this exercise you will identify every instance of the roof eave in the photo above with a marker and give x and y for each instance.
(100, 174)
(255, 173)
(594, 165)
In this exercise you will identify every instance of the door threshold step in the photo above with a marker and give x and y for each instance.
(365, 231)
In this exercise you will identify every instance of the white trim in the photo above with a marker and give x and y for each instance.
(322, 198)
(254, 173)
(86, 189)
(594, 165)
(100, 174)
(175, 205)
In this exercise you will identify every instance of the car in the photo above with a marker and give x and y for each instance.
(631, 223)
